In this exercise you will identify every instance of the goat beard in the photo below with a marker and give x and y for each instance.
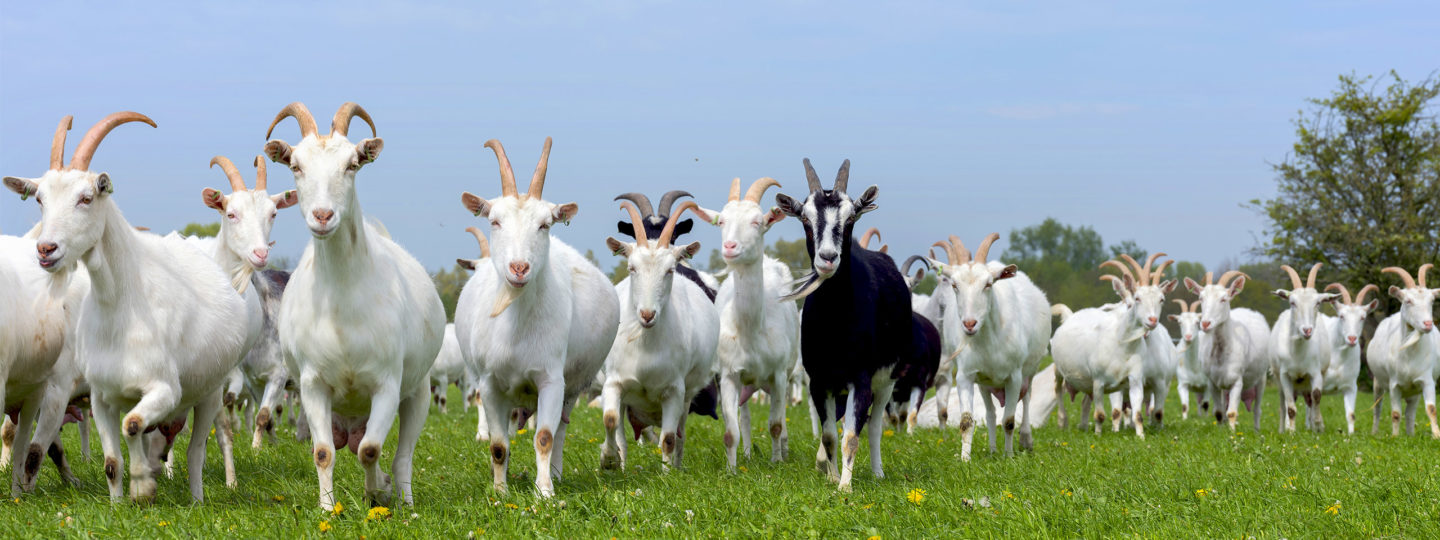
(504, 298)
(240, 277)
(803, 287)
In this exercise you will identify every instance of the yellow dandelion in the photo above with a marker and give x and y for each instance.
(164, 523)
(1007, 495)
(744, 469)
(511, 506)
(868, 506)
(337, 510)
(377, 513)
(875, 537)
(889, 433)
(325, 526)
(522, 431)
(1067, 492)
(1201, 492)
(1065, 443)
(915, 496)
(1334, 509)
(278, 498)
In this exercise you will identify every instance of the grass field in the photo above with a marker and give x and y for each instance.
(1191, 479)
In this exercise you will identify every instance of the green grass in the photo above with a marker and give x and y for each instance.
(1073, 485)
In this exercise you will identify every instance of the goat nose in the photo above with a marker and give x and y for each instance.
(970, 324)
(261, 254)
(1353, 339)
(323, 216)
(729, 245)
(1428, 324)
(1307, 331)
(647, 315)
(519, 268)
(1205, 325)
(829, 256)
(46, 248)
(1153, 321)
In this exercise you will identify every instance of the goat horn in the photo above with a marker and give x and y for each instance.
(480, 238)
(1118, 266)
(1209, 278)
(1420, 279)
(1159, 273)
(1360, 296)
(86, 149)
(961, 255)
(302, 116)
(905, 268)
(1195, 306)
(341, 123)
(639, 222)
(842, 178)
(865, 238)
(1184, 307)
(1404, 275)
(1294, 277)
(948, 250)
(757, 190)
(1142, 275)
(57, 145)
(667, 201)
(537, 182)
(259, 173)
(1225, 278)
(640, 200)
(1115, 278)
(669, 230)
(1314, 271)
(812, 178)
(237, 182)
(507, 174)
(734, 190)
(984, 250)
(1344, 293)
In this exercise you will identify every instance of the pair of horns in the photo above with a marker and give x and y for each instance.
(955, 252)
(842, 178)
(666, 233)
(1144, 274)
(1224, 278)
(1345, 293)
(872, 232)
(905, 268)
(339, 124)
(1295, 277)
(507, 174)
(86, 149)
(1410, 282)
(667, 202)
(1192, 307)
(237, 182)
(756, 190)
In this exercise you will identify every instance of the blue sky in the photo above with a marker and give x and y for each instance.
(1149, 121)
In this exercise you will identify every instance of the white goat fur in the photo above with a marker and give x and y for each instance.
(1234, 347)
(1301, 348)
(449, 368)
(1404, 357)
(1190, 375)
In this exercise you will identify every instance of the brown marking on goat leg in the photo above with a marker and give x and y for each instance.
(966, 421)
(612, 419)
(1395, 416)
(944, 418)
(1115, 414)
(543, 440)
(1099, 416)
(262, 418)
(852, 443)
(1159, 415)
(668, 443)
(497, 453)
(1291, 412)
(1184, 408)
(229, 400)
(729, 439)
(133, 426)
(369, 453)
(1010, 424)
(775, 430)
(112, 468)
(1231, 416)
(8, 435)
(32, 460)
(323, 457)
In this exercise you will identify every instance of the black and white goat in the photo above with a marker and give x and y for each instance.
(857, 319)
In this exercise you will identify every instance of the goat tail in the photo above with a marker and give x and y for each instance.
(1061, 310)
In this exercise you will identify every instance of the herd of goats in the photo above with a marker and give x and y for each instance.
(152, 327)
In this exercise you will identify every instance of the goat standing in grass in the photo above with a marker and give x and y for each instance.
(857, 325)
(1404, 353)
(1189, 373)
(537, 324)
(1345, 330)
(360, 322)
(1302, 347)
(1234, 346)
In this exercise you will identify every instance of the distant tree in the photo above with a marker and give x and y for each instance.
(793, 253)
(201, 229)
(715, 262)
(1129, 247)
(1077, 247)
(448, 284)
(590, 256)
(1361, 188)
(620, 271)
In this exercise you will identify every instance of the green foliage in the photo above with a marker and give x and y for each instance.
(1077, 247)
(1128, 247)
(448, 284)
(715, 262)
(793, 253)
(1361, 188)
(201, 229)
(620, 271)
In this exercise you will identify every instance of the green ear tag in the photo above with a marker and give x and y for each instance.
(25, 195)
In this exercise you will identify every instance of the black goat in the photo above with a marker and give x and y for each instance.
(857, 324)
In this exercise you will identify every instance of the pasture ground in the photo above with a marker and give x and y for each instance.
(1191, 479)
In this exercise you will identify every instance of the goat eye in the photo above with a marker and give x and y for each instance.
(295, 168)
(353, 167)
(544, 226)
(86, 199)
(494, 224)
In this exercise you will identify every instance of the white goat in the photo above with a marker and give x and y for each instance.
(759, 332)
(1405, 351)
(360, 322)
(1189, 373)
(1300, 342)
(1234, 346)
(664, 351)
(472, 371)
(32, 335)
(998, 332)
(538, 326)
(156, 367)
(449, 368)
(1345, 330)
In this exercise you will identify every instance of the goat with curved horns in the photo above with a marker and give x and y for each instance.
(1402, 352)
(183, 348)
(1234, 347)
(354, 281)
(664, 353)
(537, 327)
(758, 331)
(1345, 330)
(858, 325)
(1189, 374)
(1300, 342)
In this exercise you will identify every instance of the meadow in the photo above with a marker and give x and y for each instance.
(1190, 479)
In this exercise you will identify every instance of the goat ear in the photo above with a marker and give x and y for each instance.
(1168, 286)
(1328, 298)
(683, 227)
(1172, 318)
(775, 215)
(103, 185)
(688, 251)
(1192, 286)
(476, 205)
(565, 212)
(1395, 291)
(1372, 305)
(466, 264)
(369, 149)
(1282, 293)
(788, 205)
(213, 199)
(617, 247)
(710, 216)
(626, 228)
(1237, 286)
(1120, 288)
(1008, 272)
(285, 200)
(24, 186)
(866, 204)
(278, 151)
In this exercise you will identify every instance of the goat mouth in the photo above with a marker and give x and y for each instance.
(518, 284)
(647, 324)
(321, 231)
(50, 264)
